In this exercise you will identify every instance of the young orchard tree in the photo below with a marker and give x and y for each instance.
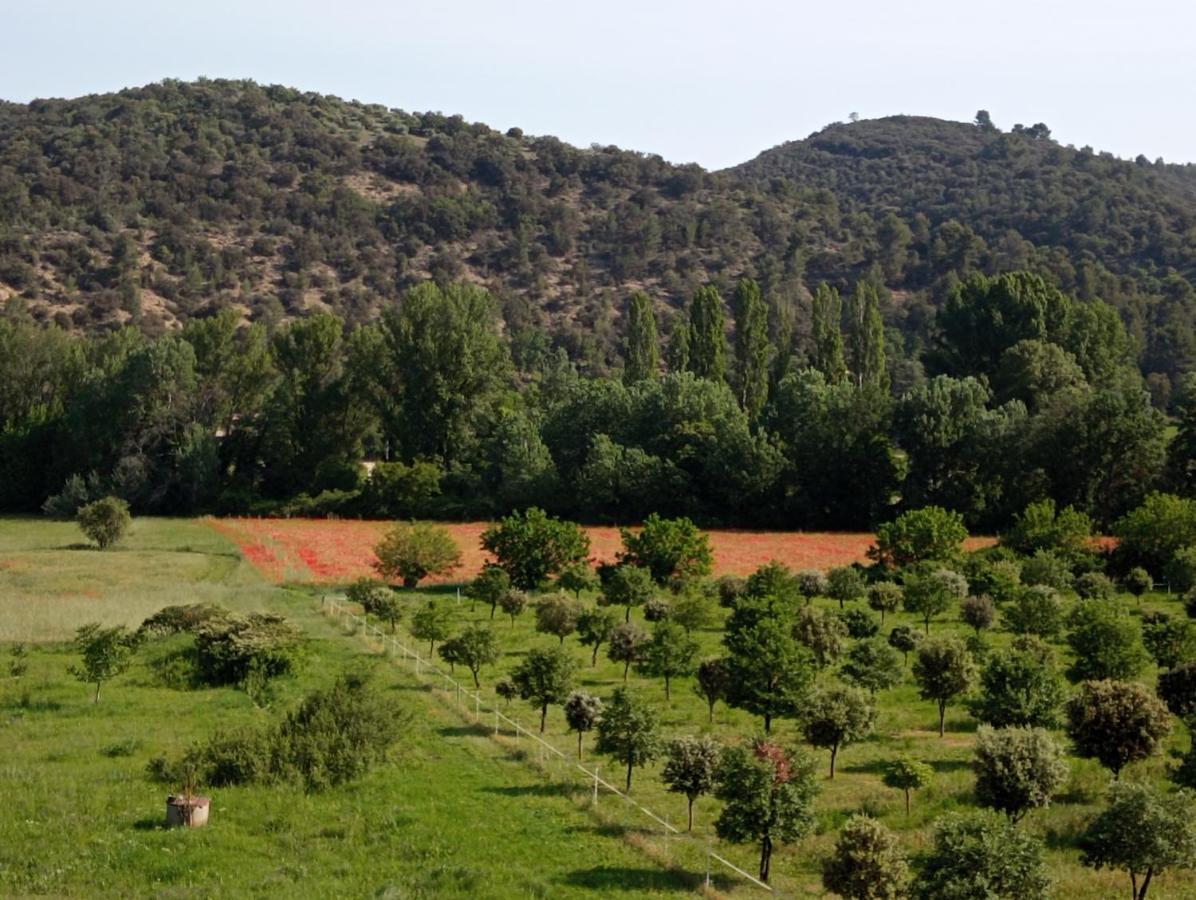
(867, 863)
(105, 521)
(1017, 769)
(768, 798)
(1169, 639)
(594, 628)
(582, 712)
(557, 615)
(944, 670)
(1137, 581)
(1177, 689)
(544, 678)
(628, 731)
(490, 586)
(377, 599)
(1116, 722)
(669, 654)
(845, 584)
(932, 594)
(473, 648)
(774, 580)
(628, 643)
(411, 552)
(513, 603)
(978, 612)
(884, 597)
(1034, 610)
(905, 640)
(506, 689)
(823, 632)
(670, 549)
(907, 774)
(578, 577)
(1021, 687)
(628, 586)
(107, 652)
(873, 665)
(918, 536)
(431, 622)
(1143, 831)
(769, 673)
(712, 683)
(693, 610)
(531, 545)
(691, 764)
(1107, 643)
(982, 854)
(836, 716)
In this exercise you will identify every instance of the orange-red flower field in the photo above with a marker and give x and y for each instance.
(330, 551)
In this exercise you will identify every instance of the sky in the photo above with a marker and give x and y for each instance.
(709, 82)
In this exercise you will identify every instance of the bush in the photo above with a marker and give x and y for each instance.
(978, 612)
(1181, 570)
(811, 583)
(105, 521)
(872, 664)
(920, 535)
(180, 619)
(1168, 639)
(982, 855)
(867, 863)
(1116, 722)
(1177, 688)
(1106, 641)
(1017, 769)
(230, 646)
(332, 737)
(1047, 569)
(1037, 610)
(859, 623)
(1137, 581)
(730, 589)
(1095, 586)
(657, 609)
(409, 553)
(1021, 687)
(1000, 579)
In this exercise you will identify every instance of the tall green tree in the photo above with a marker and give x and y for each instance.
(866, 338)
(641, 350)
(827, 333)
(752, 348)
(708, 335)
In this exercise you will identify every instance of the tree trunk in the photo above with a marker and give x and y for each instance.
(882, 618)
(765, 857)
(594, 655)
(627, 615)
(666, 688)
(626, 666)
(907, 803)
(629, 765)
(834, 753)
(711, 705)
(768, 723)
(543, 716)
(97, 696)
(477, 685)
(1145, 884)
(942, 717)
(562, 637)
(690, 826)
(926, 623)
(493, 608)
(579, 745)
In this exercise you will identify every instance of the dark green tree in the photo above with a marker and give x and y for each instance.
(641, 354)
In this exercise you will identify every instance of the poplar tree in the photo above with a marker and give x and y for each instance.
(867, 338)
(707, 335)
(751, 347)
(827, 334)
(641, 355)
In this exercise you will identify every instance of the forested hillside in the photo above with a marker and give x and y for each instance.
(160, 204)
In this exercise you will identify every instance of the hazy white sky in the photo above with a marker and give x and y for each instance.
(701, 81)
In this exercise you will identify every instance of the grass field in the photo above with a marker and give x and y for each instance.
(456, 813)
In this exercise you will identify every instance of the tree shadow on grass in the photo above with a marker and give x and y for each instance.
(475, 730)
(624, 878)
(950, 765)
(149, 823)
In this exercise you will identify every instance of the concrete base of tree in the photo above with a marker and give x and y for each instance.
(187, 811)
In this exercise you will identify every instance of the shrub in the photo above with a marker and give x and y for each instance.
(105, 521)
(1168, 639)
(1116, 722)
(873, 665)
(978, 612)
(859, 623)
(920, 535)
(230, 648)
(1000, 579)
(1107, 643)
(1020, 687)
(1095, 586)
(730, 589)
(1017, 769)
(867, 863)
(179, 619)
(531, 546)
(1036, 610)
(982, 855)
(670, 549)
(1177, 688)
(1045, 568)
(658, 609)
(822, 632)
(409, 553)
(1181, 570)
(811, 583)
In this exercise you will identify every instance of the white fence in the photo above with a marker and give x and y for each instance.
(425, 667)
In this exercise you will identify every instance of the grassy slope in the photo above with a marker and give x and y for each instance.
(449, 816)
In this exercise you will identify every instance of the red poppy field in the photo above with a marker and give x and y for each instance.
(331, 551)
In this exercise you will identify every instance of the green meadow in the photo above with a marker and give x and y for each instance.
(455, 810)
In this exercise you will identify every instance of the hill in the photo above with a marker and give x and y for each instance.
(161, 203)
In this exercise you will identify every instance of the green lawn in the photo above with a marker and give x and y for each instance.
(452, 814)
